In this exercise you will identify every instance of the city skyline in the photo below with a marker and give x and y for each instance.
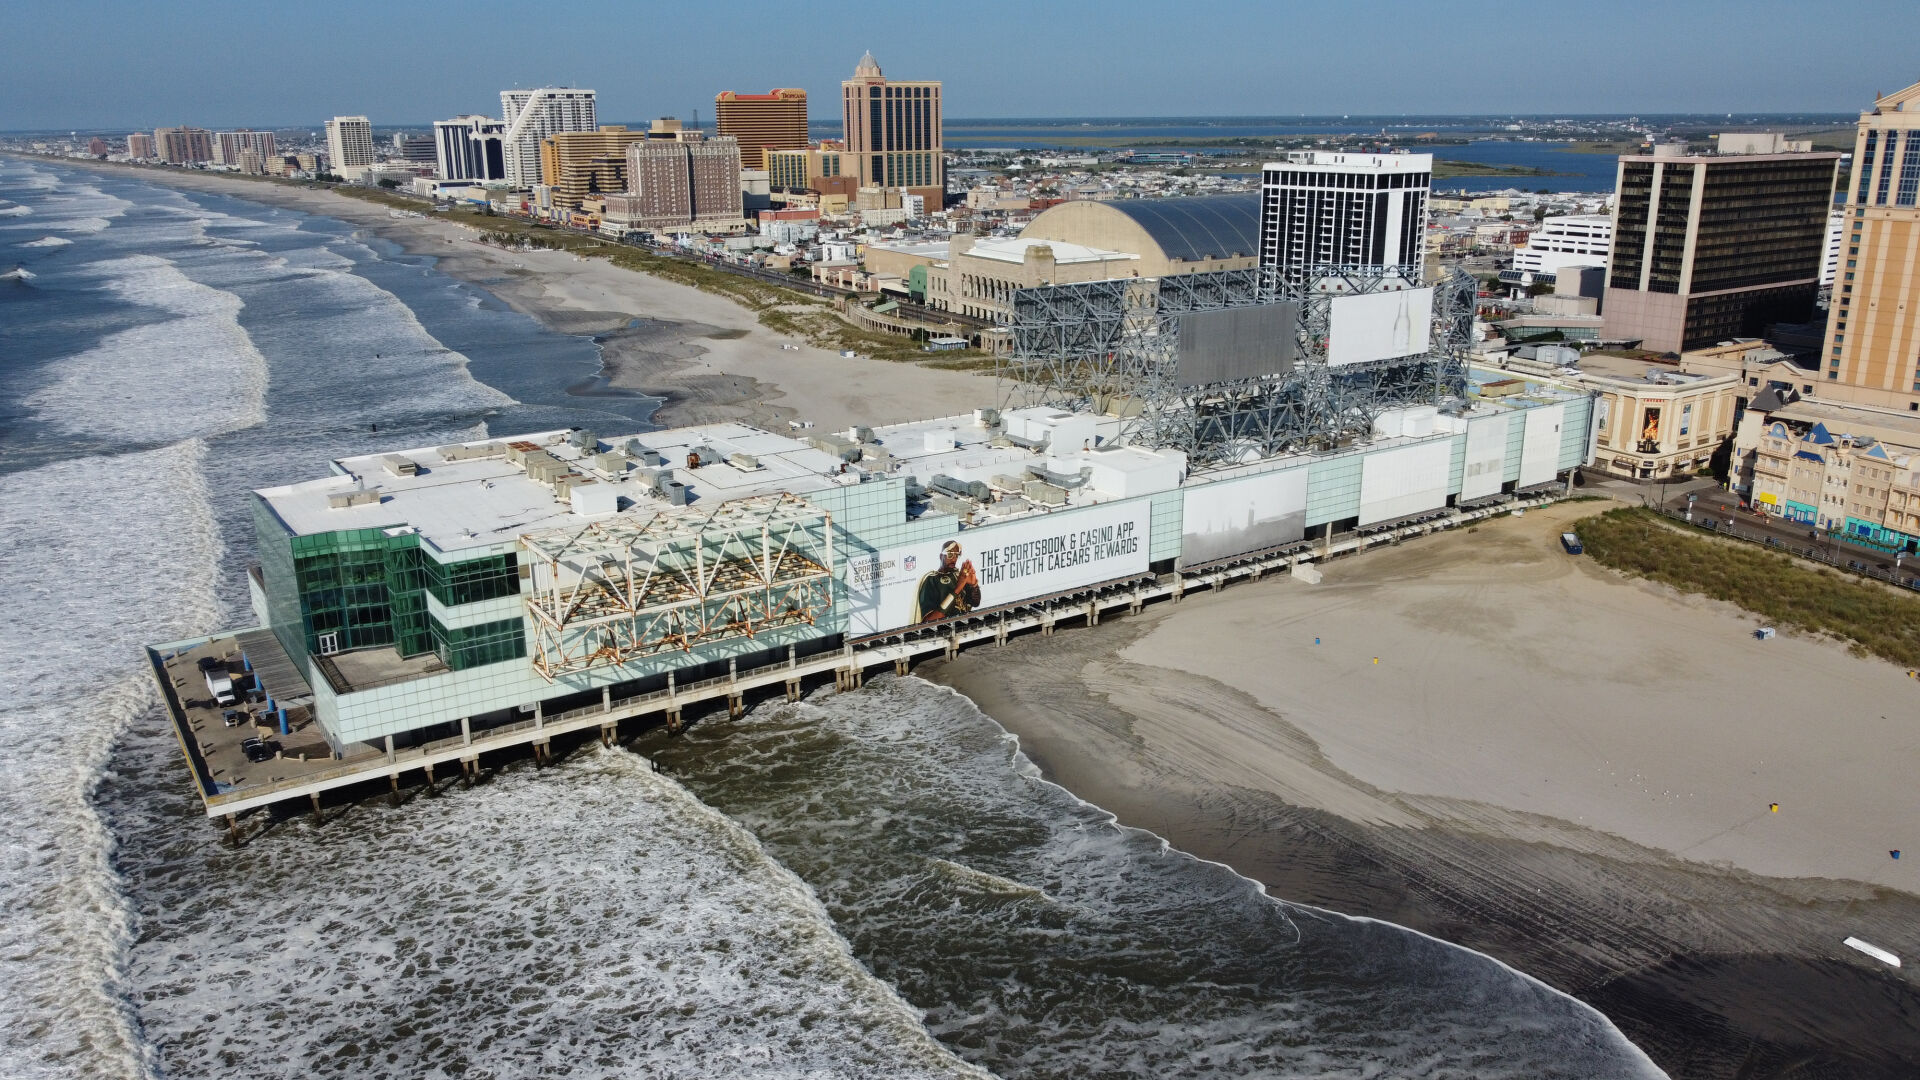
(1132, 61)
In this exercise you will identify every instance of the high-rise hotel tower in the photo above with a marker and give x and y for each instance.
(893, 133)
(1872, 354)
(1330, 208)
(532, 115)
(762, 122)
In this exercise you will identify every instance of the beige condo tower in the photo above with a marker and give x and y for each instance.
(1873, 325)
(893, 133)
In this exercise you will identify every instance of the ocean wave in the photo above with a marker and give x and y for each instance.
(197, 373)
(86, 586)
(15, 210)
(592, 920)
(47, 242)
(1043, 938)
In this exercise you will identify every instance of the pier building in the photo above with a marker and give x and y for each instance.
(415, 605)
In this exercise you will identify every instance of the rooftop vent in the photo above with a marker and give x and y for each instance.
(400, 466)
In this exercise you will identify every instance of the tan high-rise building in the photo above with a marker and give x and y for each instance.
(140, 145)
(349, 146)
(1872, 353)
(762, 122)
(576, 164)
(679, 181)
(893, 133)
(183, 145)
(229, 145)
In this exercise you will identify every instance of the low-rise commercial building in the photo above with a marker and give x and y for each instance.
(1656, 422)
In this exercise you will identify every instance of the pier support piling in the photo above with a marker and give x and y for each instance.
(428, 769)
(736, 705)
(393, 788)
(901, 664)
(233, 830)
(314, 797)
(793, 689)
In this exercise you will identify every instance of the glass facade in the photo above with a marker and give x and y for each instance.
(466, 647)
(361, 588)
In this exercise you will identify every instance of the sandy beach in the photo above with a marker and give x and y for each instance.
(1567, 770)
(707, 357)
(1564, 769)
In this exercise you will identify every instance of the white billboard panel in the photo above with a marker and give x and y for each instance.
(1409, 480)
(1540, 449)
(1230, 517)
(996, 564)
(1486, 457)
(1379, 326)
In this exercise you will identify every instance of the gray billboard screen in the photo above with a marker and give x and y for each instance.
(1235, 343)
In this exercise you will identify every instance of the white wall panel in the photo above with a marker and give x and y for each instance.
(1229, 517)
(1486, 457)
(1540, 452)
(1395, 483)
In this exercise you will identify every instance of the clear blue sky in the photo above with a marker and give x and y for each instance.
(99, 63)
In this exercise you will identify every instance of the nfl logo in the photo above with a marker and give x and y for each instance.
(908, 562)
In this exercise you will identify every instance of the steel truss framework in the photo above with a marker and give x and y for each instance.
(671, 579)
(1112, 346)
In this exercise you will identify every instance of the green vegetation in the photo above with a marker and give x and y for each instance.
(1445, 169)
(1610, 146)
(1872, 617)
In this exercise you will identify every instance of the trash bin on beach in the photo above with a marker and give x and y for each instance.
(1765, 633)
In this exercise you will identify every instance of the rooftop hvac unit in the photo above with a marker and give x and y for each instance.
(945, 504)
(986, 418)
(356, 497)
(463, 452)
(674, 492)
(961, 489)
(744, 462)
(1043, 493)
(939, 440)
(585, 439)
(861, 434)
(400, 466)
(613, 463)
(845, 449)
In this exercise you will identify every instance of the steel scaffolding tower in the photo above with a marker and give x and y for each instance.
(1112, 347)
(632, 586)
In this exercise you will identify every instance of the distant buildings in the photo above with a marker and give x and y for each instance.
(1323, 207)
(140, 146)
(229, 145)
(577, 164)
(762, 122)
(1872, 354)
(679, 181)
(532, 115)
(98, 147)
(416, 149)
(183, 145)
(1711, 248)
(1759, 142)
(470, 147)
(350, 146)
(1568, 240)
(892, 132)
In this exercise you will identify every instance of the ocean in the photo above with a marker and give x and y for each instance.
(875, 884)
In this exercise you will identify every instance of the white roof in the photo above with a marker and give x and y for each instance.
(1013, 249)
(476, 502)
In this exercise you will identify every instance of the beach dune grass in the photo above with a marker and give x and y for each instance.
(1873, 618)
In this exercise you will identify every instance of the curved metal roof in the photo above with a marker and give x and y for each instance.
(1200, 226)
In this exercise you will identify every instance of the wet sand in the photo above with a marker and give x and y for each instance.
(1566, 770)
(1557, 767)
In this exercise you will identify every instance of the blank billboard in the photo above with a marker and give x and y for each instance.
(1232, 517)
(1540, 450)
(1486, 462)
(1379, 326)
(1231, 344)
(1409, 480)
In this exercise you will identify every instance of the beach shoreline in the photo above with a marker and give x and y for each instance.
(1170, 720)
(1722, 962)
(706, 357)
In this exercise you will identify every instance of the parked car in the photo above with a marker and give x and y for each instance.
(258, 750)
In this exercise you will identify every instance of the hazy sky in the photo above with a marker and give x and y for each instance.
(97, 63)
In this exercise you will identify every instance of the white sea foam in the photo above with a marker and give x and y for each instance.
(195, 374)
(107, 553)
(15, 210)
(592, 920)
(48, 242)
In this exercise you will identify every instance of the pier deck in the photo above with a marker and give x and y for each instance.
(230, 785)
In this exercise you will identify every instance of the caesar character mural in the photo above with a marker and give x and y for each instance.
(1650, 432)
(953, 589)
